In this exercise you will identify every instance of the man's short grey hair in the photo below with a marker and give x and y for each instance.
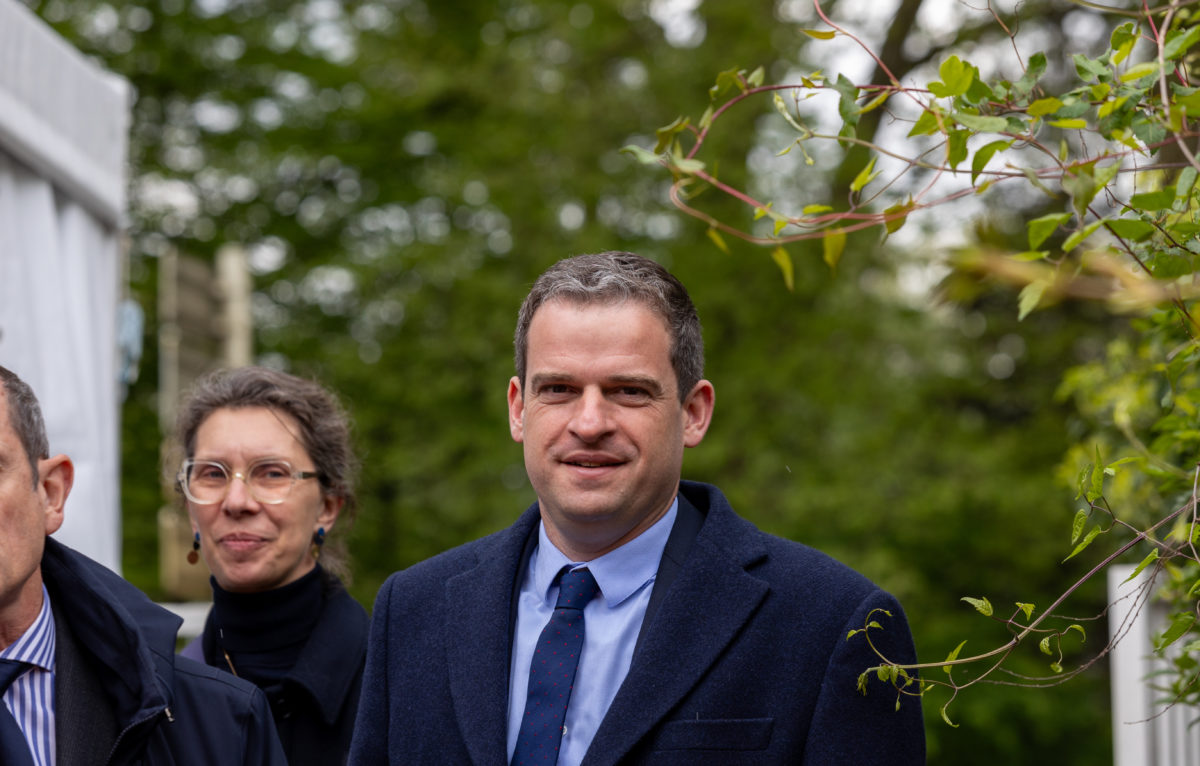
(26, 417)
(615, 277)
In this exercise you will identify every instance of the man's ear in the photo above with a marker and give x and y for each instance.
(697, 412)
(56, 475)
(516, 410)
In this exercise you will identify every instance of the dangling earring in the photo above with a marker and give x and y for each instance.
(318, 541)
(194, 554)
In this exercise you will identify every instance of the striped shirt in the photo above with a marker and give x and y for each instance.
(31, 697)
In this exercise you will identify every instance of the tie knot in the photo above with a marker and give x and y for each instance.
(9, 671)
(576, 589)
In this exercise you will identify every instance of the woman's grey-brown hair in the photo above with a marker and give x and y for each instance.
(324, 433)
(26, 417)
(613, 277)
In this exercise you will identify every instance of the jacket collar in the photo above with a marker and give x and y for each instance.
(479, 623)
(125, 631)
(333, 655)
(700, 613)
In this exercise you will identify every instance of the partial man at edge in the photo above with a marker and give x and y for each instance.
(698, 638)
(87, 662)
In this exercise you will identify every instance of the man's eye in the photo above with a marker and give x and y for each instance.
(633, 393)
(555, 389)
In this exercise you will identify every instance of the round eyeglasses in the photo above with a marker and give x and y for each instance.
(269, 481)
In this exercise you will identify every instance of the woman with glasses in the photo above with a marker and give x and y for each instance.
(267, 477)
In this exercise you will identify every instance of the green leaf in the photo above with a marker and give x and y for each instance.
(1122, 41)
(1044, 106)
(1178, 41)
(1044, 645)
(1184, 183)
(718, 240)
(979, 123)
(1088, 68)
(864, 177)
(1030, 297)
(952, 656)
(814, 209)
(1180, 625)
(644, 156)
(781, 107)
(927, 124)
(1085, 542)
(820, 34)
(1073, 124)
(1033, 73)
(1106, 173)
(876, 102)
(833, 243)
(730, 78)
(1027, 609)
(984, 156)
(685, 165)
(1097, 483)
(755, 78)
(956, 78)
(896, 215)
(1041, 228)
(784, 260)
(847, 108)
(1081, 517)
(666, 135)
(1150, 559)
(1079, 628)
(956, 147)
(1155, 200)
(1073, 241)
(1139, 71)
(982, 605)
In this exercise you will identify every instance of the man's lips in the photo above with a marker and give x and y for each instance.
(592, 461)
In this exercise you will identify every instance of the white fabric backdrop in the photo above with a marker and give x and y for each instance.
(58, 300)
(63, 145)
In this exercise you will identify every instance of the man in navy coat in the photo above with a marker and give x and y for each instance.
(698, 639)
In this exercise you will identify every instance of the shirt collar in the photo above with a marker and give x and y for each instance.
(620, 573)
(36, 645)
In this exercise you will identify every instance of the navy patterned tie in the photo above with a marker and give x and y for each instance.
(552, 672)
(14, 749)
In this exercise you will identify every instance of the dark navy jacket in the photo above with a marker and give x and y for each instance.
(122, 698)
(316, 706)
(743, 658)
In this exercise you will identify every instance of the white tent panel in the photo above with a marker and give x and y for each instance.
(63, 128)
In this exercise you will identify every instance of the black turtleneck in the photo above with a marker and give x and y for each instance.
(263, 633)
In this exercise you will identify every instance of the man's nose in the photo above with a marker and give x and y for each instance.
(592, 418)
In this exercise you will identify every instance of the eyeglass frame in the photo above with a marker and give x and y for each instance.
(182, 484)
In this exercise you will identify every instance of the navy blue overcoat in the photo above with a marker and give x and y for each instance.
(744, 660)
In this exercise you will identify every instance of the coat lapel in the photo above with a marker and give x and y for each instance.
(710, 601)
(479, 638)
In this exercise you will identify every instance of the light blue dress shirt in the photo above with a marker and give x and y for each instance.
(612, 622)
(31, 697)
